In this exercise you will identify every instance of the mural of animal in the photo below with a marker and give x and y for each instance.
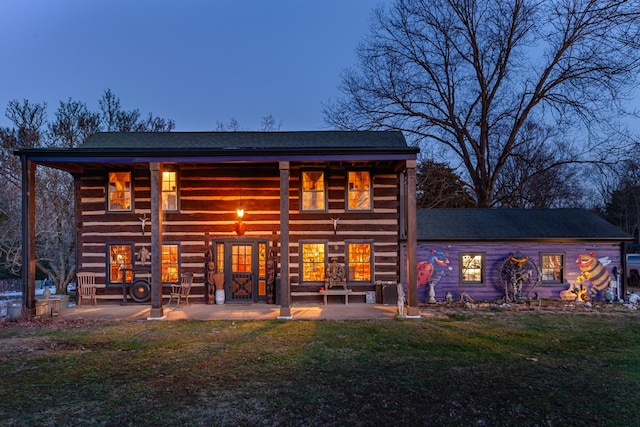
(431, 270)
(592, 269)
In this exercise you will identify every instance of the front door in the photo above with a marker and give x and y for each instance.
(242, 278)
(244, 264)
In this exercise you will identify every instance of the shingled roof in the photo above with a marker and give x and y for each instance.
(246, 140)
(515, 224)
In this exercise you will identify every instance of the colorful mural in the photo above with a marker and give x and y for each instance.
(593, 271)
(569, 269)
(431, 270)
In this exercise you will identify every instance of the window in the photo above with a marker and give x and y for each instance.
(119, 191)
(472, 268)
(219, 258)
(120, 256)
(359, 191)
(169, 191)
(313, 191)
(241, 257)
(170, 263)
(313, 262)
(359, 261)
(552, 268)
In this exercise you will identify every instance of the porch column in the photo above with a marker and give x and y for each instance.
(285, 286)
(28, 237)
(412, 283)
(156, 241)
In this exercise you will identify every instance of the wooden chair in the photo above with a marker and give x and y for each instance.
(182, 289)
(86, 287)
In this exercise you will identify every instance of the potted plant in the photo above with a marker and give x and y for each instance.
(218, 281)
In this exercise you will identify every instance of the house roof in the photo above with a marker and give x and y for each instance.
(215, 147)
(387, 140)
(515, 224)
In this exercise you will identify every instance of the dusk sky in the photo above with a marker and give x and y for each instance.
(196, 61)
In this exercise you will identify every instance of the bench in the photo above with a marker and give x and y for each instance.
(344, 292)
(327, 292)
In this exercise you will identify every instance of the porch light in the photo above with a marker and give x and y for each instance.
(241, 227)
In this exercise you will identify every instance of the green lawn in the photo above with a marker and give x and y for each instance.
(502, 368)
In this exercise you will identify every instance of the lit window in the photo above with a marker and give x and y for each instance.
(170, 257)
(313, 262)
(219, 257)
(551, 268)
(313, 191)
(472, 270)
(169, 191)
(120, 256)
(241, 257)
(119, 191)
(359, 262)
(359, 191)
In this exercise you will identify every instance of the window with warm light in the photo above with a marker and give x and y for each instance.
(120, 256)
(119, 191)
(219, 258)
(313, 191)
(170, 190)
(472, 268)
(170, 263)
(359, 190)
(241, 258)
(313, 261)
(552, 268)
(359, 261)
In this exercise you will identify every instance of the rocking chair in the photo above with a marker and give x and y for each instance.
(182, 289)
(86, 287)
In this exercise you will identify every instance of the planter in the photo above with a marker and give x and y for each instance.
(218, 281)
(220, 296)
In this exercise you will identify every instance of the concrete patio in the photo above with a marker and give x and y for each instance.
(195, 311)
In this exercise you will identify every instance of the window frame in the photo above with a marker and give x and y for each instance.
(483, 269)
(109, 207)
(129, 275)
(348, 263)
(347, 190)
(554, 282)
(301, 262)
(325, 192)
(176, 191)
(177, 263)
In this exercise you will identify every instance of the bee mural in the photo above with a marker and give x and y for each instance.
(431, 270)
(593, 270)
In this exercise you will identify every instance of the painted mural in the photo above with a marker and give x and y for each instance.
(431, 271)
(513, 270)
(593, 280)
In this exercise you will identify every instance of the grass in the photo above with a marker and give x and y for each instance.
(524, 369)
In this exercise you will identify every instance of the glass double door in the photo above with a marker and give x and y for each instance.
(244, 267)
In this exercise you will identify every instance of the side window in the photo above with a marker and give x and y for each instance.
(313, 191)
(552, 268)
(472, 269)
(358, 190)
(359, 261)
(119, 191)
(120, 257)
(312, 261)
(170, 262)
(219, 257)
(170, 190)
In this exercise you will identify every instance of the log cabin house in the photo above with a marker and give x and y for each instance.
(471, 254)
(267, 210)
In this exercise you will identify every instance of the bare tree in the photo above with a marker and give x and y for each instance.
(469, 75)
(55, 225)
(438, 186)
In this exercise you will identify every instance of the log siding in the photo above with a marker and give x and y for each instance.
(208, 198)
